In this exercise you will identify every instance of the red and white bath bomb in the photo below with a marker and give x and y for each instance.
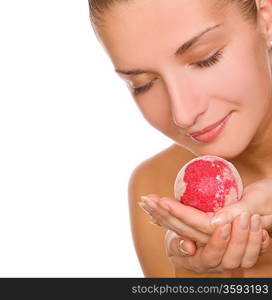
(208, 183)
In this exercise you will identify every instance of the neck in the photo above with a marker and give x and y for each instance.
(257, 158)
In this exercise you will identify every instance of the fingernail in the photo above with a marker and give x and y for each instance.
(244, 220)
(182, 247)
(220, 220)
(225, 232)
(144, 198)
(255, 223)
(145, 208)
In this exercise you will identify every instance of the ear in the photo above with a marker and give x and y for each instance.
(265, 18)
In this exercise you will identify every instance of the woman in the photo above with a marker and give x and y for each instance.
(200, 72)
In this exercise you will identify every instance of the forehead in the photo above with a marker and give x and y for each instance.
(131, 27)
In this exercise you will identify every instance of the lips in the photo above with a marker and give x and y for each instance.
(206, 129)
(209, 133)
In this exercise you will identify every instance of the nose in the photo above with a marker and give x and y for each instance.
(187, 103)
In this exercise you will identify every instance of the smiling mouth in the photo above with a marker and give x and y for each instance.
(211, 132)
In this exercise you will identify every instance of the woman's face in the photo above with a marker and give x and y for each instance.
(222, 74)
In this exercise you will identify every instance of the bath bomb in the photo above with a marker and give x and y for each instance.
(208, 183)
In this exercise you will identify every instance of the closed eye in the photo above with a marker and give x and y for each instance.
(212, 60)
(143, 89)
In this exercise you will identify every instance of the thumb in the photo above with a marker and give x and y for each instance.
(228, 213)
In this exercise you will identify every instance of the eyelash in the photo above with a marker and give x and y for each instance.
(212, 60)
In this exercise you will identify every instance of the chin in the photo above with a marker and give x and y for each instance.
(226, 150)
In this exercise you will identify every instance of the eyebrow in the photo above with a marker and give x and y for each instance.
(181, 50)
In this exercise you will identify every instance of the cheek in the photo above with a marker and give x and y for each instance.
(241, 82)
(156, 110)
(245, 81)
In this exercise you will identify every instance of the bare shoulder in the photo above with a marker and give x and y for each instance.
(155, 175)
(160, 168)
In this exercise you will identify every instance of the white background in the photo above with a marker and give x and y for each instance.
(70, 136)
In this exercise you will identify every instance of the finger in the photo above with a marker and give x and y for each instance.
(189, 215)
(161, 215)
(265, 242)
(174, 224)
(212, 254)
(267, 222)
(238, 242)
(177, 245)
(248, 202)
(149, 203)
(164, 206)
(228, 213)
(206, 258)
(254, 243)
(154, 222)
(163, 218)
(150, 206)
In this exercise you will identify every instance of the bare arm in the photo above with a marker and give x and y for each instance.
(149, 240)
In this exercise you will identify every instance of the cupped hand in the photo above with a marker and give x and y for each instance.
(231, 246)
(197, 225)
(256, 199)
(184, 220)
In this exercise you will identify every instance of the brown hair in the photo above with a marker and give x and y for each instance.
(98, 7)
